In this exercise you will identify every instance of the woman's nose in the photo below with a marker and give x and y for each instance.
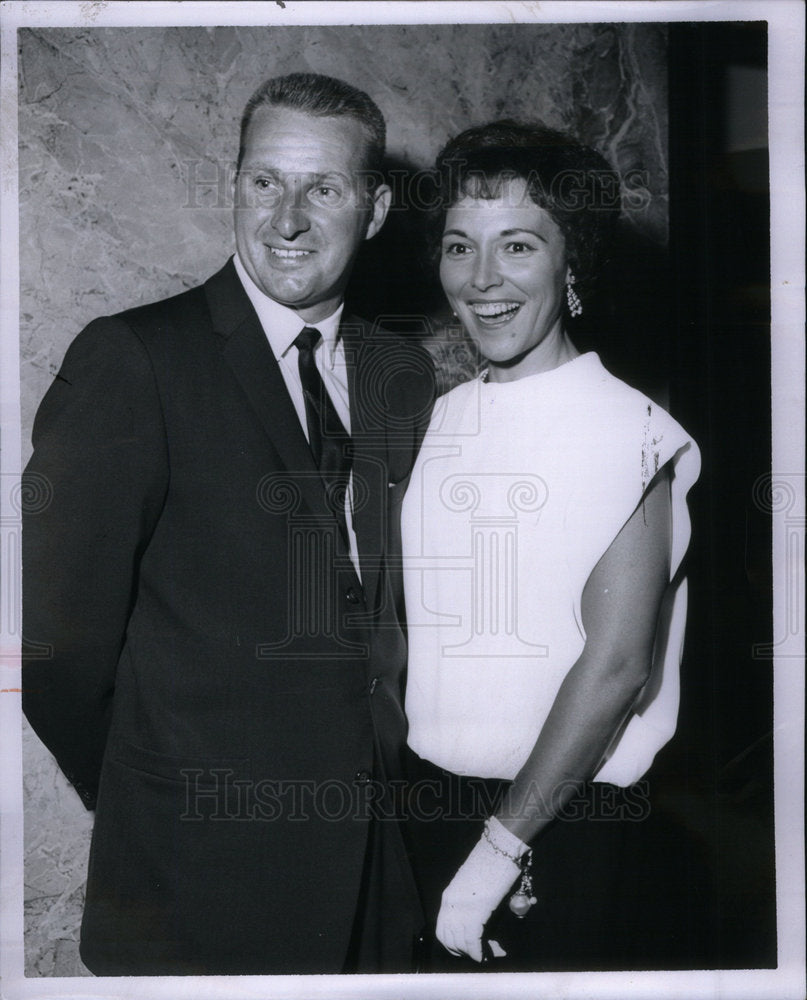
(485, 274)
(289, 218)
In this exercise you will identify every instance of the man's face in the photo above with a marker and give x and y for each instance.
(301, 210)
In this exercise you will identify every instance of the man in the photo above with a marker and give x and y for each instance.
(213, 652)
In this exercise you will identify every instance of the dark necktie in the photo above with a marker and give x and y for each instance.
(327, 437)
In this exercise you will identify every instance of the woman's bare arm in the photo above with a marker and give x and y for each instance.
(620, 606)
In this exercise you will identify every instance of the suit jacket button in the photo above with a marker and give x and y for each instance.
(362, 777)
(351, 596)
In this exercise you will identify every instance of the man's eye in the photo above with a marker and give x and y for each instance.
(327, 195)
(266, 189)
(264, 192)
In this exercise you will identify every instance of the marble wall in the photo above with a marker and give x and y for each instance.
(127, 139)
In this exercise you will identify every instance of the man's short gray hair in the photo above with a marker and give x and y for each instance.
(321, 96)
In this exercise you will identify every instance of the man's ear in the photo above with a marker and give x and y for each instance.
(381, 200)
(234, 175)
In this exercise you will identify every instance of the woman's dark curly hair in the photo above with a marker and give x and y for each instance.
(572, 182)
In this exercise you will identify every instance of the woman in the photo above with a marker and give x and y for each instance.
(543, 530)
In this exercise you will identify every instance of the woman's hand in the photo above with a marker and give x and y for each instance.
(475, 891)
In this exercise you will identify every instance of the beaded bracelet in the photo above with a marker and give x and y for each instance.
(523, 898)
(515, 858)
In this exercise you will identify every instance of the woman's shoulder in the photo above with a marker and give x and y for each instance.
(626, 421)
(607, 393)
(610, 386)
(609, 417)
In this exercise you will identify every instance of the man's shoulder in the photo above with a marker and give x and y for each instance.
(175, 312)
(172, 304)
(181, 320)
(372, 339)
(375, 344)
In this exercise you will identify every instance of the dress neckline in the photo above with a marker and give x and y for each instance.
(585, 360)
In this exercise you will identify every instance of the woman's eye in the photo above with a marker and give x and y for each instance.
(518, 247)
(456, 249)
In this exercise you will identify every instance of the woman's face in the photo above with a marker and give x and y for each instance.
(503, 268)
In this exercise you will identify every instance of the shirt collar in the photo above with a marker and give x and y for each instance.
(281, 324)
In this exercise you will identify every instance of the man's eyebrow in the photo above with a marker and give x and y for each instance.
(328, 175)
(309, 176)
(258, 168)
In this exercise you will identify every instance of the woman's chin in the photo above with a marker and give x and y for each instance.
(502, 356)
(493, 348)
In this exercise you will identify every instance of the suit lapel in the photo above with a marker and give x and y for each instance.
(369, 462)
(246, 350)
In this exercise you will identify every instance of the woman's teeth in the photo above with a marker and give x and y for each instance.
(494, 310)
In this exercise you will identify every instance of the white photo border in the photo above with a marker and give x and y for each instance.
(786, 116)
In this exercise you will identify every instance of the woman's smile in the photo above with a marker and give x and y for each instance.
(494, 313)
(504, 270)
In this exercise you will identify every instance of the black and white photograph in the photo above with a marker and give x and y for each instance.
(403, 500)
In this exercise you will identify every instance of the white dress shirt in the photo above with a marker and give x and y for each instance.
(281, 327)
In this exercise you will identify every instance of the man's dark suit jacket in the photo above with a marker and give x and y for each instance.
(204, 664)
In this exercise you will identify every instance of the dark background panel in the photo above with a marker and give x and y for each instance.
(716, 778)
